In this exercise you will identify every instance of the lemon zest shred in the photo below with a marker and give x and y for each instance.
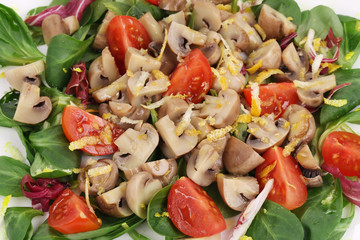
(226, 7)
(262, 76)
(267, 170)
(255, 100)
(335, 102)
(84, 141)
(254, 68)
(261, 31)
(349, 55)
(218, 133)
(163, 46)
(94, 172)
(317, 42)
(221, 79)
(77, 70)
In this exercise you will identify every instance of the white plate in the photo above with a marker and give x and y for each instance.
(345, 7)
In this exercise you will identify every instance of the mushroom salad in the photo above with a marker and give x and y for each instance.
(207, 119)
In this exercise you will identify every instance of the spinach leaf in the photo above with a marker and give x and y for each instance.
(135, 8)
(350, 42)
(137, 236)
(37, 35)
(287, 7)
(53, 158)
(214, 193)
(157, 217)
(329, 113)
(63, 52)
(11, 173)
(321, 212)
(273, 222)
(18, 222)
(110, 229)
(94, 12)
(82, 32)
(321, 19)
(16, 43)
(344, 223)
(240, 131)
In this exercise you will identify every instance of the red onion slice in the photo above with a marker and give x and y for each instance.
(286, 40)
(351, 189)
(79, 84)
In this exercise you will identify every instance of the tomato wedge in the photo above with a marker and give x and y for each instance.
(192, 77)
(342, 150)
(124, 32)
(289, 186)
(192, 211)
(70, 214)
(77, 124)
(275, 97)
(154, 2)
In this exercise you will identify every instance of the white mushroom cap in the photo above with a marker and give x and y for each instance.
(206, 14)
(100, 41)
(51, 26)
(136, 60)
(135, 146)
(28, 73)
(114, 203)
(152, 27)
(224, 108)
(237, 192)
(254, 39)
(269, 53)
(111, 91)
(32, 108)
(181, 37)
(140, 189)
(174, 146)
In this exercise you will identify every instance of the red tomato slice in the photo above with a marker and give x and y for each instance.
(124, 32)
(154, 2)
(275, 97)
(192, 77)
(70, 214)
(77, 123)
(289, 186)
(192, 211)
(342, 150)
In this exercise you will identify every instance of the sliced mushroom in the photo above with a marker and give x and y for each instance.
(100, 41)
(181, 37)
(254, 38)
(175, 108)
(168, 59)
(178, 17)
(164, 170)
(136, 60)
(140, 189)
(114, 202)
(311, 93)
(32, 108)
(206, 14)
(203, 165)
(103, 70)
(51, 26)
(202, 126)
(274, 23)
(28, 73)
(174, 146)
(152, 27)
(141, 88)
(224, 108)
(269, 53)
(304, 156)
(240, 158)
(211, 49)
(237, 192)
(103, 176)
(236, 37)
(236, 82)
(172, 5)
(126, 110)
(293, 62)
(302, 123)
(135, 146)
(312, 177)
(71, 24)
(111, 91)
(266, 133)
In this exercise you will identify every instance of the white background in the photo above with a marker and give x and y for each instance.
(346, 7)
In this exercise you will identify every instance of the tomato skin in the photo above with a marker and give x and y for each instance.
(342, 150)
(77, 123)
(70, 214)
(275, 97)
(192, 211)
(154, 2)
(192, 77)
(124, 32)
(289, 186)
